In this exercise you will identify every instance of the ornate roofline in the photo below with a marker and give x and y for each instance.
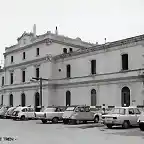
(101, 47)
(24, 34)
(60, 38)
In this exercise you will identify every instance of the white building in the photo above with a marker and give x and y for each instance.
(89, 74)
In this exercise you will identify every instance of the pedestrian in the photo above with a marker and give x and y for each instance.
(103, 108)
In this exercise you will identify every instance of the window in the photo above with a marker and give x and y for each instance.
(24, 110)
(23, 99)
(37, 51)
(93, 97)
(131, 111)
(93, 67)
(11, 100)
(68, 71)
(64, 50)
(23, 55)
(3, 81)
(70, 49)
(137, 111)
(118, 111)
(82, 109)
(68, 98)
(11, 59)
(2, 100)
(11, 78)
(125, 62)
(37, 72)
(23, 76)
(87, 109)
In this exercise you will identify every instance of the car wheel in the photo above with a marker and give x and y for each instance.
(141, 126)
(109, 126)
(65, 121)
(126, 124)
(73, 122)
(44, 121)
(55, 120)
(85, 122)
(96, 119)
(22, 117)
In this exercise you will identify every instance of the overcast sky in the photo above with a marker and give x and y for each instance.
(91, 20)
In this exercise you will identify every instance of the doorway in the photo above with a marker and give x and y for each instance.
(125, 97)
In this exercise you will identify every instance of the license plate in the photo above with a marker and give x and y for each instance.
(109, 119)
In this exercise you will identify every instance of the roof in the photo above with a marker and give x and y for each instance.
(55, 37)
(102, 47)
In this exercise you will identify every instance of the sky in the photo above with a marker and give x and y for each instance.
(91, 20)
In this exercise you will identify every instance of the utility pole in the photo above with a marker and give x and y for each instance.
(41, 86)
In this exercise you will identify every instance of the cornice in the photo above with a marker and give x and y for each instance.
(122, 43)
(96, 85)
(106, 81)
(53, 83)
(124, 80)
(31, 62)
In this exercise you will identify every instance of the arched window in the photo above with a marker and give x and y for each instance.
(11, 100)
(125, 96)
(68, 98)
(68, 70)
(37, 99)
(23, 99)
(93, 97)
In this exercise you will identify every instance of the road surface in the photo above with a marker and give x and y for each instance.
(34, 132)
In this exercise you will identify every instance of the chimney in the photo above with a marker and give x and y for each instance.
(34, 30)
(105, 40)
(56, 31)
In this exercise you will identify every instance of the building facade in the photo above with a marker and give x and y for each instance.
(78, 72)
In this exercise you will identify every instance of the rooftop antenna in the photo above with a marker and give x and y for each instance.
(56, 31)
(34, 30)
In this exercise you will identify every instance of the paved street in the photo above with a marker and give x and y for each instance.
(33, 132)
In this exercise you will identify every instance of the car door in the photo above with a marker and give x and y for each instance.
(24, 112)
(30, 113)
(59, 112)
(132, 116)
(137, 112)
(78, 111)
(89, 115)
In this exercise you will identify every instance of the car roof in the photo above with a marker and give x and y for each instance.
(127, 107)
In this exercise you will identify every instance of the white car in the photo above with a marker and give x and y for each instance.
(140, 121)
(53, 114)
(79, 114)
(124, 116)
(23, 113)
(9, 112)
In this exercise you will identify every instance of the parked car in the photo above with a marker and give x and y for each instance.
(123, 116)
(3, 110)
(23, 113)
(51, 113)
(9, 112)
(78, 114)
(140, 121)
(99, 112)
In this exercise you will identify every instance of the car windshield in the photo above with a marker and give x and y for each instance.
(70, 109)
(11, 111)
(49, 110)
(118, 111)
